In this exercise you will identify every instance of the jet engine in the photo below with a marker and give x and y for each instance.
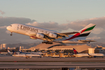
(39, 35)
(32, 37)
(52, 35)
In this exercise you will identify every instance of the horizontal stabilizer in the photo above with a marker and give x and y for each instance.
(87, 40)
(78, 41)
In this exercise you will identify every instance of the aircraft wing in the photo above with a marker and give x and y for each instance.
(87, 41)
(59, 35)
(78, 42)
(47, 38)
(67, 33)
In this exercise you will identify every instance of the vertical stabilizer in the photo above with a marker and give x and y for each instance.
(75, 52)
(83, 32)
(87, 29)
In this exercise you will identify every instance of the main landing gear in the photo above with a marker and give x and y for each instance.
(47, 42)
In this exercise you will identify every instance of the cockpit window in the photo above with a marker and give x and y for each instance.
(11, 25)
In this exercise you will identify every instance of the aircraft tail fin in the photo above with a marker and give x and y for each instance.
(87, 29)
(75, 52)
(83, 33)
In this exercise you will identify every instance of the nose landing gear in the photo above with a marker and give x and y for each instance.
(11, 34)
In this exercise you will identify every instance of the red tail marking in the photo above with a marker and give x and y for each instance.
(34, 37)
(83, 30)
(77, 34)
(74, 36)
(75, 52)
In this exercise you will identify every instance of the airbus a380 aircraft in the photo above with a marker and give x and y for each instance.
(49, 37)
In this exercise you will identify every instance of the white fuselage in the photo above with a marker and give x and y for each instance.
(81, 55)
(30, 31)
(27, 30)
(26, 55)
(87, 55)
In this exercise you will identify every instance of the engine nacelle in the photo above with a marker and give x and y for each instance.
(33, 37)
(52, 35)
(39, 35)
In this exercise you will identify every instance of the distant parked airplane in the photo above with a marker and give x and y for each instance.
(49, 36)
(76, 54)
(27, 55)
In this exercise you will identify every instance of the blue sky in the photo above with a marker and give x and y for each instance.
(58, 15)
(60, 11)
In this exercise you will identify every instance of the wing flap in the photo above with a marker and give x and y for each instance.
(47, 38)
(69, 33)
(66, 34)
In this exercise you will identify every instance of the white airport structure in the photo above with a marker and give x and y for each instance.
(91, 50)
(84, 50)
(62, 50)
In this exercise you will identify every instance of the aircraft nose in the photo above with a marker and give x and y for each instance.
(8, 27)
